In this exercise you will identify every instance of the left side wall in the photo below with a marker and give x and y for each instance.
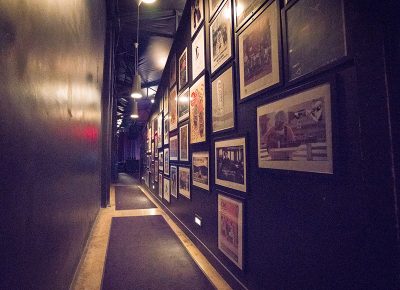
(51, 70)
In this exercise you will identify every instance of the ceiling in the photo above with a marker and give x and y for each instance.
(157, 26)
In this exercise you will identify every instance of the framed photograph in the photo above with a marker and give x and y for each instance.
(172, 71)
(183, 105)
(174, 181)
(196, 15)
(166, 129)
(161, 161)
(184, 143)
(159, 131)
(315, 35)
(173, 148)
(201, 170)
(155, 149)
(184, 181)
(160, 185)
(295, 133)
(155, 127)
(230, 163)
(221, 37)
(213, 6)
(223, 111)
(198, 54)
(198, 111)
(245, 9)
(166, 161)
(173, 109)
(230, 229)
(166, 102)
(183, 70)
(156, 166)
(167, 195)
(258, 52)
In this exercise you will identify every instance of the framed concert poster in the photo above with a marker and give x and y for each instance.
(173, 109)
(173, 148)
(172, 71)
(198, 54)
(245, 9)
(166, 129)
(160, 185)
(167, 195)
(196, 15)
(184, 143)
(174, 181)
(230, 229)
(166, 161)
(198, 111)
(221, 37)
(183, 105)
(201, 170)
(223, 111)
(295, 133)
(230, 163)
(213, 6)
(183, 70)
(259, 52)
(184, 181)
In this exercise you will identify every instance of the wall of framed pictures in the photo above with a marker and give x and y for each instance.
(262, 115)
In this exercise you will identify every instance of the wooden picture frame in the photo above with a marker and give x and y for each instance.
(201, 169)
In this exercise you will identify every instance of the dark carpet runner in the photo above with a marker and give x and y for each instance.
(144, 253)
(131, 197)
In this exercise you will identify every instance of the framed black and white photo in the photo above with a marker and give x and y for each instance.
(166, 161)
(167, 194)
(245, 9)
(198, 54)
(172, 71)
(161, 160)
(196, 15)
(174, 181)
(295, 133)
(184, 181)
(213, 6)
(183, 105)
(230, 163)
(173, 148)
(166, 129)
(223, 100)
(160, 185)
(183, 70)
(221, 36)
(184, 143)
(201, 170)
(258, 52)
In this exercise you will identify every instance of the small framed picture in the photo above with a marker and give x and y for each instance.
(221, 36)
(161, 161)
(159, 131)
(230, 163)
(166, 129)
(198, 54)
(173, 148)
(172, 71)
(184, 143)
(160, 185)
(166, 102)
(196, 15)
(167, 195)
(183, 70)
(213, 6)
(173, 109)
(201, 170)
(184, 181)
(174, 181)
(198, 111)
(183, 105)
(230, 229)
(259, 50)
(166, 161)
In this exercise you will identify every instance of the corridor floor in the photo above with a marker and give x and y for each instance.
(91, 271)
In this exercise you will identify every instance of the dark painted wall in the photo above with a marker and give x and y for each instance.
(307, 230)
(51, 71)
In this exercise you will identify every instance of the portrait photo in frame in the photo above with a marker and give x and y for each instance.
(173, 109)
(173, 148)
(183, 70)
(198, 54)
(196, 15)
(201, 169)
(184, 143)
(174, 180)
(198, 111)
(183, 105)
(184, 181)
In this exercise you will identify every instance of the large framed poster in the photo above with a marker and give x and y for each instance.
(201, 170)
(183, 105)
(184, 143)
(198, 54)
(230, 229)
(198, 111)
(223, 112)
(174, 181)
(173, 109)
(172, 71)
(184, 181)
(245, 9)
(295, 133)
(183, 70)
(196, 15)
(221, 37)
(230, 163)
(258, 53)
(173, 148)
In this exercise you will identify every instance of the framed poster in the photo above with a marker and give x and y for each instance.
(166, 102)
(295, 133)
(183, 70)
(213, 6)
(160, 185)
(173, 148)
(166, 161)
(167, 195)
(159, 131)
(184, 143)
(196, 15)
(173, 109)
(184, 181)
(221, 37)
(245, 9)
(201, 170)
(198, 54)
(155, 149)
(152, 151)
(166, 129)
(230, 163)
(223, 112)
(155, 127)
(156, 166)
(161, 161)
(230, 229)
(315, 32)
(174, 181)
(259, 52)
(198, 111)
(172, 71)
(183, 105)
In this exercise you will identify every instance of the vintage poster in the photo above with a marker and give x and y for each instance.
(173, 148)
(160, 185)
(244, 8)
(173, 109)
(183, 70)
(201, 169)
(230, 229)
(166, 161)
(198, 54)
(167, 195)
(174, 181)
(183, 106)
(184, 181)
(159, 131)
(161, 161)
(166, 129)
(295, 133)
(198, 112)
(221, 37)
(258, 53)
(156, 166)
(223, 116)
(172, 71)
(166, 102)
(196, 15)
(184, 143)
(213, 6)
(230, 163)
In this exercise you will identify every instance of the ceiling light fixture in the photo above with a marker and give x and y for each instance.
(135, 112)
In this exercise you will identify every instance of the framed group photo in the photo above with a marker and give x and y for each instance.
(201, 170)
(198, 111)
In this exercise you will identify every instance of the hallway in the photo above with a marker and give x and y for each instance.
(155, 252)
